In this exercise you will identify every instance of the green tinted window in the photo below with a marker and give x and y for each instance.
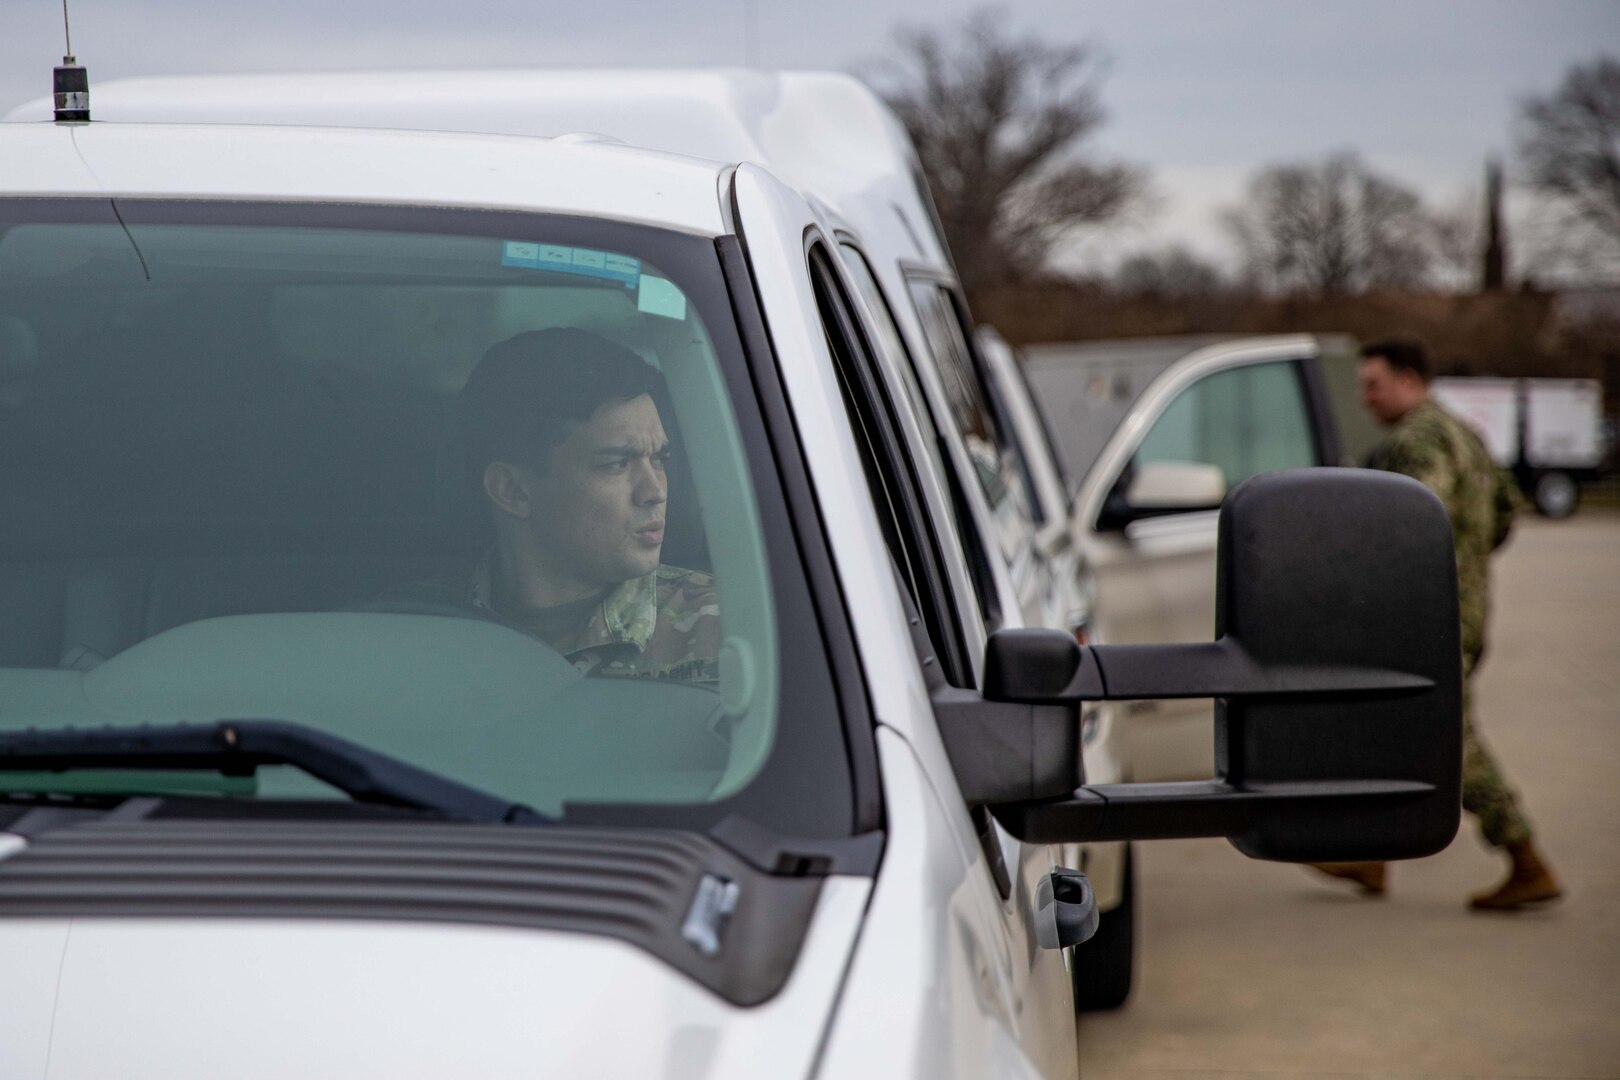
(1246, 420)
(474, 498)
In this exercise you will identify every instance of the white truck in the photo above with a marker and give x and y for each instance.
(828, 136)
(259, 820)
(1548, 432)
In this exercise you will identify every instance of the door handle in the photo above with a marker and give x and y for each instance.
(1065, 909)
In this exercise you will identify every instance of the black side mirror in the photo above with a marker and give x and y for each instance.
(1336, 673)
(1159, 488)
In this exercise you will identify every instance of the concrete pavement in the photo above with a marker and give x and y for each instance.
(1251, 970)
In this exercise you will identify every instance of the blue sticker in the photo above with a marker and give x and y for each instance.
(560, 258)
(517, 253)
(656, 296)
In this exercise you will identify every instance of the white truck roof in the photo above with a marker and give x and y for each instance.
(825, 133)
(390, 167)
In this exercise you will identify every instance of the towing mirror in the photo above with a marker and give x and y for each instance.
(1336, 672)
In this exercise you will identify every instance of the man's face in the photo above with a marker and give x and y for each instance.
(598, 510)
(1388, 393)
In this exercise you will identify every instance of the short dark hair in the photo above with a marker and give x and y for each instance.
(1400, 354)
(519, 400)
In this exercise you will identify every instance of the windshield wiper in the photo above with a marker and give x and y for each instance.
(238, 747)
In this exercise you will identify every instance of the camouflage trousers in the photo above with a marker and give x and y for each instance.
(1485, 794)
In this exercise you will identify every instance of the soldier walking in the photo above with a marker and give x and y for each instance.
(1430, 445)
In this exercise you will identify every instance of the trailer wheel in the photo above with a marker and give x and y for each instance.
(1556, 494)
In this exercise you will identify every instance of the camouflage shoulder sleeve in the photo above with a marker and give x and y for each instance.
(688, 603)
(1420, 448)
(1497, 492)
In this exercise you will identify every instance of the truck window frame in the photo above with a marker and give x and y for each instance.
(891, 466)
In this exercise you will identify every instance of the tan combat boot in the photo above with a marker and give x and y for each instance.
(1530, 881)
(1370, 876)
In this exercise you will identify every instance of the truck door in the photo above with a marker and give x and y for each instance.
(1211, 423)
(886, 404)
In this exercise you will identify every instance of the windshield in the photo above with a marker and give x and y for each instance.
(470, 490)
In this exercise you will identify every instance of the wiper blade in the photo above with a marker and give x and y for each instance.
(238, 747)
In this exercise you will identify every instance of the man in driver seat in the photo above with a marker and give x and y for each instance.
(563, 443)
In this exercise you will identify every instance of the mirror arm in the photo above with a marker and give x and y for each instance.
(1187, 809)
(1004, 752)
(1032, 675)
(1223, 669)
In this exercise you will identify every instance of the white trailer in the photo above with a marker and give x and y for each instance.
(1490, 407)
(1548, 432)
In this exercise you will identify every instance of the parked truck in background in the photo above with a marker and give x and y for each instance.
(1548, 433)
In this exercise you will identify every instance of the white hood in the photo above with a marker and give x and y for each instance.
(87, 999)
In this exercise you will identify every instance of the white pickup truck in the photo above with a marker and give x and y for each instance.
(262, 817)
(828, 136)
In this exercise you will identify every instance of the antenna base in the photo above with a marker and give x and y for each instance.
(71, 84)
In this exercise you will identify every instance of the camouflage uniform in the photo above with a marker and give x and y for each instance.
(1431, 446)
(665, 625)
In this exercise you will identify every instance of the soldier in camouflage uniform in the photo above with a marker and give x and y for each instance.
(563, 448)
(1432, 446)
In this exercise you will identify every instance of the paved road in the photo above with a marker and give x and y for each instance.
(1257, 970)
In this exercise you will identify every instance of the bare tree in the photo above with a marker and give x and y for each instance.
(1569, 152)
(1555, 247)
(1331, 227)
(1173, 274)
(998, 123)
(1570, 143)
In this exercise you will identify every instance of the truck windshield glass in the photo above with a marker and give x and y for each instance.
(470, 490)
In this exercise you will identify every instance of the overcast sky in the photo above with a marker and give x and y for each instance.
(1200, 91)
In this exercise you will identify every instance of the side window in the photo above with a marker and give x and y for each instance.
(889, 471)
(893, 345)
(1066, 483)
(1245, 420)
(889, 342)
(997, 460)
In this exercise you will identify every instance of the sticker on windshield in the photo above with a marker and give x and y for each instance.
(563, 259)
(656, 296)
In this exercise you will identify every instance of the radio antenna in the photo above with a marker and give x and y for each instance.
(71, 83)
